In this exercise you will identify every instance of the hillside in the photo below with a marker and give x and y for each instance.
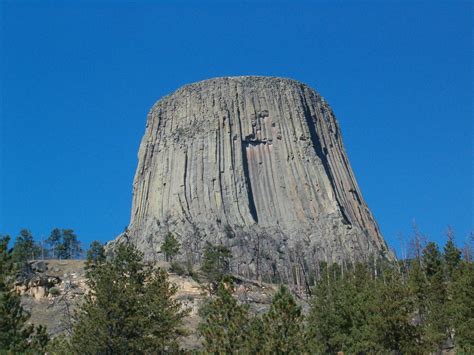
(55, 309)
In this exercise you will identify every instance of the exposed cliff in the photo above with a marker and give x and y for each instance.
(257, 164)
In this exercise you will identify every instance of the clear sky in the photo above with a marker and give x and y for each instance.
(78, 78)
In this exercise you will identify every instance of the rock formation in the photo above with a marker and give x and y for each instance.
(254, 163)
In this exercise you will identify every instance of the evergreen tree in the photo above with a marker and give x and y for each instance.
(16, 336)
(170, 247)
(71, 247)
(356, 296)
(64, 244)
(436, 322)
(461, 308)
(338, 318)
(25, 247)
(54, 240)
(95, 254)
(390, 321)
(131, 309)
(283, 325)
(326, 329)
(432, 260)
(255, 342)
(418, 284)
(225, 323)
(216, 262)
(452, 255)
(358, 313)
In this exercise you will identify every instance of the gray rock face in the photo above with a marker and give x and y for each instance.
(254, 163)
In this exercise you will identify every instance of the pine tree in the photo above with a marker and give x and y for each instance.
(452, 255)
(339, 318)
(216, 262)
(283, 325)
(131, 309)
(54, 240)
(356, 296)
(71, 246)
(436, 294)
(391, 317)
(64, 243)
(225, 323)
(321, 317)
(16, 336)
(170, 247)
(255, 342)
(95, 254)
(25, 247)
(432, 260)
(358, 313)
(461, 307)
(418, 284)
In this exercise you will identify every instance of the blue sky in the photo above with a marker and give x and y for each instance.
(78, 78)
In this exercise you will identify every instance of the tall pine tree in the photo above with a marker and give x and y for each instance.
(170, 247)
(16, 336)
(436, 322)
(25, 248)
(225, 323)
(282, 325)
(452, 255)
(131, 309)
(461, 307)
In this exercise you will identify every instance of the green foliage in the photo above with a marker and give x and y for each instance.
(54, 291)
(416, 308)
(70, 247)
(216, 262)
(390, 322)
(59, 346)
(255, 343)
(432, 260)
(418, 284)
(6, 264)
(335, 310)
(436, 317)
(452, 255)
(170, 247)
(227, 326)
(131, 309)
(39, 339)
(54, 240)
(225, 322)
(282, 325)
(64, 244)
(16, 336)
(358, 313)
(412, 306)
(25, 248)
(461, 307)
(95, 254)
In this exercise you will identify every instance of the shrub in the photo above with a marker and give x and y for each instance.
(54, 291)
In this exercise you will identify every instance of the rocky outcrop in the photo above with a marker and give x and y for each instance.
(257, 164)
(58, 311)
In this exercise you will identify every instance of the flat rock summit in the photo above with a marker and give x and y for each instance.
(256, 164)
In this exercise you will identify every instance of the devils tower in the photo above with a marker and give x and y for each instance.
(256, 164)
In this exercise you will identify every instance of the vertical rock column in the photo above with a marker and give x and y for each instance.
(247, 161)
